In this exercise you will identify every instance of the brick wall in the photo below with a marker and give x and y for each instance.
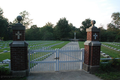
(95, 55)
(86, 55)
(19, 59)
(90, 36)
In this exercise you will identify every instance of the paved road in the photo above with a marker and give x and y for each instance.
(64, 56)
(61, 75)
(69, 75)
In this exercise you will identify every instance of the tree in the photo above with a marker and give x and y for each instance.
(85, 24)
(33, 33)
(47, 31)
(72, 30)
(111, 27)
(116, 18)
(62, 29)
(1, 13)
(25, 19)
(3, 26)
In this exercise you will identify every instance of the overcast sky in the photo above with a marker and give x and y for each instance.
(75, 11)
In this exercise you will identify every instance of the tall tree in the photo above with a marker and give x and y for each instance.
(111, 27)
(85, 24)
(3, 26)
(116, 18)
(62, 29)
(25, 19)
(33, 33)
(1, 12)
(47, 31)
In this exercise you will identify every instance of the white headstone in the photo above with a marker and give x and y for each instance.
(6, 61)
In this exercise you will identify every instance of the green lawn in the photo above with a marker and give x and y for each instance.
(4, 56)
(31, 43)
(81, 44)
(110, 52)
(118, 47)
(60, 45)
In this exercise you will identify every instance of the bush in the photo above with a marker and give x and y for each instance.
(4, 71)
(106, 67)
(115, 63)
(112, 65)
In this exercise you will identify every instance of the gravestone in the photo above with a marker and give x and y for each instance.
(19, 50)
(5, 51)
(6, 61)
(92, 49)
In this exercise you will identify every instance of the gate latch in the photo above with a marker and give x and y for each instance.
(57, 58)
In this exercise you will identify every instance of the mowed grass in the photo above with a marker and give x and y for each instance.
(110, 52)
(118, 47)
(8, 49)
(60, 45)
(81, 44)
(6, 55)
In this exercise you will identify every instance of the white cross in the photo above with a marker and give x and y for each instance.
(18, 34)
(95, 36)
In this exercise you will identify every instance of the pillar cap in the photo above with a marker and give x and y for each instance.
(93, 28)
(18, 26)
(18, 44)
(92, 43)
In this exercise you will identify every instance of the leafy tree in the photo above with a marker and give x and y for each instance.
(47, 31)
(3, 26)
(116, 18)
(33, 33)
(85, 24)
(1, 13)
(111, 27)
(25, 19)
(72, 30)
(62, 29)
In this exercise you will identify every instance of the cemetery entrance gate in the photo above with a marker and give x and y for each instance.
(46, 60)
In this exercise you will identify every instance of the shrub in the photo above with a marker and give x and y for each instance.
(106, 67)
(4, 71)
(112, 65)
(115, 63)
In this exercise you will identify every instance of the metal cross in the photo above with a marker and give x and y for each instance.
(95, 36)
(18, 34)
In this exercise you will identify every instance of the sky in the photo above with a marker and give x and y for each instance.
(75, 11)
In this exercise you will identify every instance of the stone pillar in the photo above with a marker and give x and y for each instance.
(92, 49)
(19, 50)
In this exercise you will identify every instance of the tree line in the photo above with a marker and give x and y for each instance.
(63, 30)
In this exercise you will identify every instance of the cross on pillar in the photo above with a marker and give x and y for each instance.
(18, 34)
(95, 36)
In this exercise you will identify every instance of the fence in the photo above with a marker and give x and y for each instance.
(56, 60)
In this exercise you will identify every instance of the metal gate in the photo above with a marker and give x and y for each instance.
(47, 60)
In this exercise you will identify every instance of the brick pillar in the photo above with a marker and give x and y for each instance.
(92, 49)
(19, 50)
